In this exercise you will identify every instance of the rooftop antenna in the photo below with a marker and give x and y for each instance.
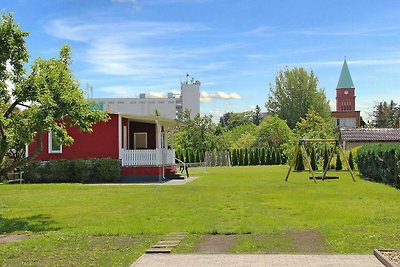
(187, 78)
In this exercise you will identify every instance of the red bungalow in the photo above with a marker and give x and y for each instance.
(139, 142)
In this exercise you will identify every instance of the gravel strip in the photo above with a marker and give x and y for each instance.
(393, 256)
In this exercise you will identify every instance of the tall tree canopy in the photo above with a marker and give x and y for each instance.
(386, 115)
(47, 99)
(273, 132)
(294, 94)
(197, 133)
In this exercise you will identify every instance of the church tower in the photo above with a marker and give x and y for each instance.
(346, 114)
(345, 91)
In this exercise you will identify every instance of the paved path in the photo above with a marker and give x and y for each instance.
(255, 260)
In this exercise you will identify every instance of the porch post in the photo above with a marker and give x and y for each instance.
(158, 135)
(166, 138)
(119, 137)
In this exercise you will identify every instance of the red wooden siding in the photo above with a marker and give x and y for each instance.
(101, 143)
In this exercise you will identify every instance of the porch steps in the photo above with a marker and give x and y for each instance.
(170, 241)
(171, 174)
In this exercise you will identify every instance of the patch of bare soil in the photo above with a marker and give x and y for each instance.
(11, 238)
(307, 241)
(216, 244)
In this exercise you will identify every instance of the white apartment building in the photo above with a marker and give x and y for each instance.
(168, 107)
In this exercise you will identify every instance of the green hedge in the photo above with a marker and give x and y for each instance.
(380, 163)
(73, 171)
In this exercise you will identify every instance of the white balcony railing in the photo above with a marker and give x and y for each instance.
(147, 157)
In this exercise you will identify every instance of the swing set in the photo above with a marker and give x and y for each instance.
(301, 149)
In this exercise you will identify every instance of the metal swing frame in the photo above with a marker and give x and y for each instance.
(301, 149)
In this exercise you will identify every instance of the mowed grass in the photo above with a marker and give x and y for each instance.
(351, 217)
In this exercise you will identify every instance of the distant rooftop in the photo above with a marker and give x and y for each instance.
(345, 80)
(371, 134)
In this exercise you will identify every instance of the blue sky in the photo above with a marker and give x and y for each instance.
(234, 47)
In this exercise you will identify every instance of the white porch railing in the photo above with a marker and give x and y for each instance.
(147, 157)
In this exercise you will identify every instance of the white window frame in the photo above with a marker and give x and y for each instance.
(50, 145)
(134, 139)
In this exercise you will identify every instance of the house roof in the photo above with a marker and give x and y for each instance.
(371, 134)
(345, 80)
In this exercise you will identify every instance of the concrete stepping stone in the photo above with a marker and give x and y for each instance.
(170, 241)
(158, 250)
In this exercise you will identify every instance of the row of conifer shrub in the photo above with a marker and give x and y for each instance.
(73, 171)
(380, 163)
(238, 157)
(319, 160)
(257, 156)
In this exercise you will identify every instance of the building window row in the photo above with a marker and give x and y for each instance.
(346, 106)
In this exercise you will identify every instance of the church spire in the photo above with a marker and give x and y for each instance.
(345, 80)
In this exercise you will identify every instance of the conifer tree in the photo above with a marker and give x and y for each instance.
(299, 166)
(251, 156)
(313, 160)
(278, 157)
(234, 158)
(246, 157)
(268, 156)
(273, 157)
(262, 156)
(187, 157)
(351, 161)
(338, 163)
(326, 157)
(241, 157)
(256, 156)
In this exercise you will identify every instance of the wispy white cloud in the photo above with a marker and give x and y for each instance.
(366, 62)
(263, 31)
(156, 95)
(347, 31)
(131, 48)
(337, 30)
(117, 91)
(210, 97)
(257, 56)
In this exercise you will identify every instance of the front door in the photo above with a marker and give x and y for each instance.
(139, 140)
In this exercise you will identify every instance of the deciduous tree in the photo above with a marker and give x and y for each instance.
(47, 99)
(294, 94)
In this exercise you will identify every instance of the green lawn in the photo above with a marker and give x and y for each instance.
(74, 221)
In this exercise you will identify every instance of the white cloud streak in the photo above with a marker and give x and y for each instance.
(131, 48)
(366, 62)
(210, 97)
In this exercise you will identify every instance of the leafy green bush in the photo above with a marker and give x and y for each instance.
(380, 163)
(73, 171)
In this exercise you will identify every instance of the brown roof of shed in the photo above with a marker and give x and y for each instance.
(371, 134)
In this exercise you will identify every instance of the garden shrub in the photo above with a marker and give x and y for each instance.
(299, 166)
(380, 163)
(73, 171)
(339, 165)
(351, 161)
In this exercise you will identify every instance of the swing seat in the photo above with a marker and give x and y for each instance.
(326, 177)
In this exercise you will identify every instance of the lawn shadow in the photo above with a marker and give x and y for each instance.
(35, 224)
